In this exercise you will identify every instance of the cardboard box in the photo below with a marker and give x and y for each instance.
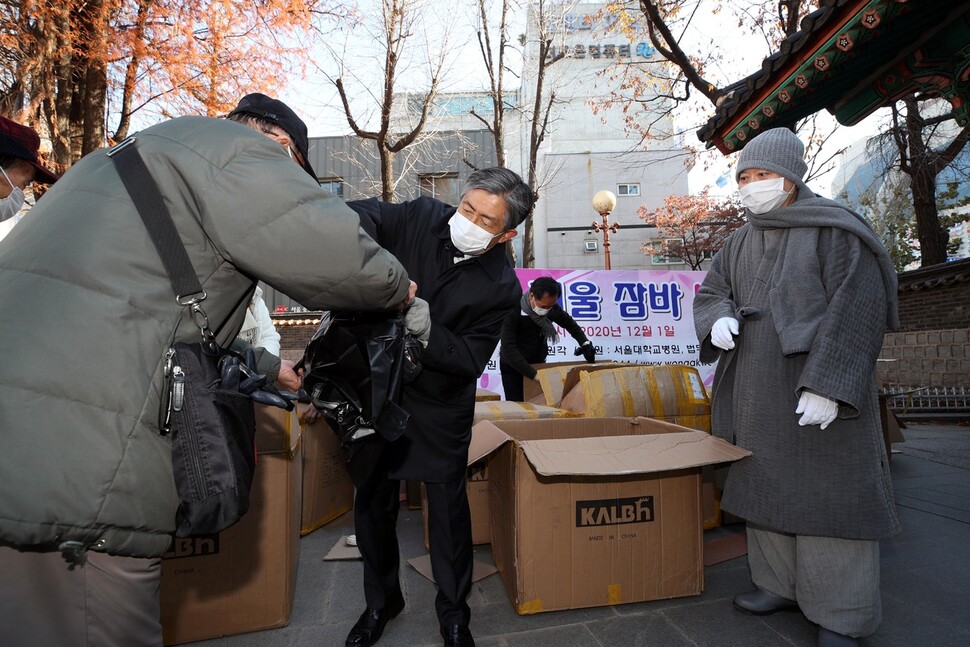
(595, 511)
(243, 578)
(552, 380)
(505, 410)
(674, 393)
(547, 387)
(328, 491)
(484, 395)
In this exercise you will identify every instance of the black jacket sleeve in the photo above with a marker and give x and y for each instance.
(560, 317)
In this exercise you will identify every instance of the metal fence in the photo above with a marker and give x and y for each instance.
(929, 402)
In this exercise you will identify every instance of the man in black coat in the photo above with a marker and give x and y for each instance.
(526, 335)
(459, 261)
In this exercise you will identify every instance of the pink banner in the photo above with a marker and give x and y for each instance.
(640, 316)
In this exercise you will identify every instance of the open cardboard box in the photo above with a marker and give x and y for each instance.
(552, 379)
(596, 511)
(243, 578)
(328, 491)
(507, 410)
(674, 393)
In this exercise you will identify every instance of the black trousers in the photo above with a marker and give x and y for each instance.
(450, 532)
(512, 383)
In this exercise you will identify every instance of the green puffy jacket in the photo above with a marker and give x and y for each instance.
(88, 312)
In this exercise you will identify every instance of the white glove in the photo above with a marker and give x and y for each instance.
(723, 332)
(816, 410)
(417, 318)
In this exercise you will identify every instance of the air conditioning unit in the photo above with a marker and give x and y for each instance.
(590, 245)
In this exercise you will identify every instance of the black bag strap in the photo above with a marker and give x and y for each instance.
(151, 207)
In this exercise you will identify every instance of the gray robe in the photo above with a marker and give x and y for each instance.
(813, 303)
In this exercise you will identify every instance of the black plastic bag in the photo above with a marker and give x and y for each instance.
(354, 368)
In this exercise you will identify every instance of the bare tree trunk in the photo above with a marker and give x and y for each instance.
(932, 237)
(923, 164)
(93, 75)
(387, 173)
(93, 110)
(58, 104)
(131, 72)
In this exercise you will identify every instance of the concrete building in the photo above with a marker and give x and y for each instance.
(587, 148)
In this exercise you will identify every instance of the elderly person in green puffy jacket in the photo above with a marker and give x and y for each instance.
(88, 314)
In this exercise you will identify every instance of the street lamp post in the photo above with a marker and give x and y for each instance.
(604, 202)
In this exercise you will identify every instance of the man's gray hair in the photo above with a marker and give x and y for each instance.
(503, 182)
(251, 120)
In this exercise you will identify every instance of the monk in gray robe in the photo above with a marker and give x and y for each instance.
(794, 309)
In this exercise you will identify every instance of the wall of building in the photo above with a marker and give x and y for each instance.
(564, 213)
(355, 161)
(933, 346)
(588, 146)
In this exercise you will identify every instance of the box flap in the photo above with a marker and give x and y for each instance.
(486, 438)
(277, 430)
(636, 454)
(572, 377)
(547, 387)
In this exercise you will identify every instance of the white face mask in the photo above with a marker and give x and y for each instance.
(764, 195)
(542, 312)
(468, 237)
(10, 205)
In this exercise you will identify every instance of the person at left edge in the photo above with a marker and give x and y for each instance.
(19, 168)
(459, 260)
(87, 497)
(526, 335)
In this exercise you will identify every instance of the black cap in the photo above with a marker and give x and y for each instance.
(277, 112)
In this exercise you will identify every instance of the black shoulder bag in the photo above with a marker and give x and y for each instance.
(207, 399)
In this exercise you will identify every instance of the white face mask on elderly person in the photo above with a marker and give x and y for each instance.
(468, 237)
(10, 205)
(763, 196)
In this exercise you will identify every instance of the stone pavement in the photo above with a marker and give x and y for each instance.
(925, 583)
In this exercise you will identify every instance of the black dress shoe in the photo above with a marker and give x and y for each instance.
(760, 602)
(828, 638)
(457, 636)
(370, 626)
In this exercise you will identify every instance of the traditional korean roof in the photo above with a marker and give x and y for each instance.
(851, 57)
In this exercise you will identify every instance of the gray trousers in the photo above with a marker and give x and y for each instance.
(834, 581)
(110, 601)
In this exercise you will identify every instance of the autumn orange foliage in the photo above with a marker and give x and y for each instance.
(75, 69)
(691, 227)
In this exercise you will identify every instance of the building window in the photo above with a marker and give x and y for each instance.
(627, 189)
(441, 186)
(661, 252)
(333, 185)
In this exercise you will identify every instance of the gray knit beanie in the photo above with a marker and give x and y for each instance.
(778, 150)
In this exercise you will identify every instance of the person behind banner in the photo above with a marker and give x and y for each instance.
(527, 334)
(19, 169)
